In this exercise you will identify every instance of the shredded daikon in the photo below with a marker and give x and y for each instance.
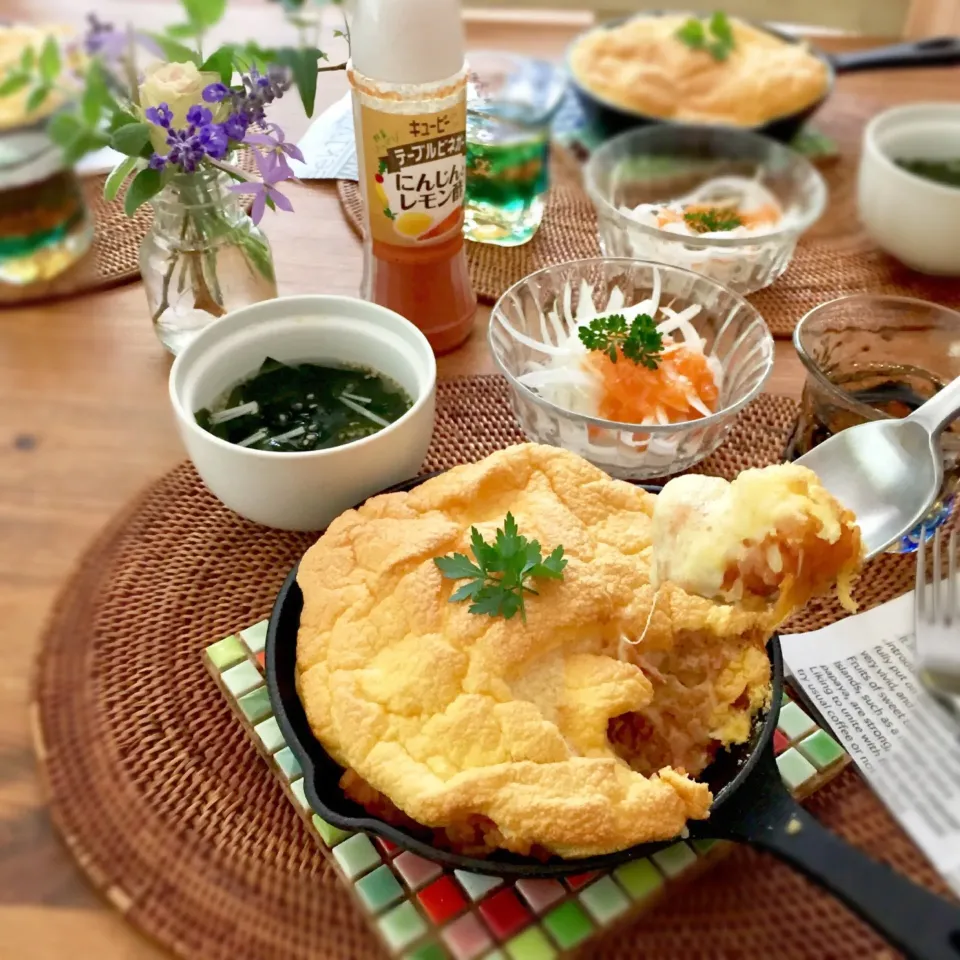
(233, 412)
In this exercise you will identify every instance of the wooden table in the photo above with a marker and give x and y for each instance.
(84, 424)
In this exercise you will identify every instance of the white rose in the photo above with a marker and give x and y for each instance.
(180, 86)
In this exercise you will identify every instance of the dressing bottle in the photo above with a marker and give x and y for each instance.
(409, 98)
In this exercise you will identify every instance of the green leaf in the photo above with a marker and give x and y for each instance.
(220, 62)
(86, 142)
(120, 119)
(49, 61)
(467, 592)
(145, 184)
(28, 59)
(692, 34)
(131, 138)
(174, 52)
(118, 177)
(457, 567)
(258, 253)
(182, 31)
(37, 96)
(95, 94)
(303, 64)
(13, 83)
(204, 13)
(720, 27)
(64, 128)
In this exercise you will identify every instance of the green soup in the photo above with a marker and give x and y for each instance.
(946, 172)
(290, 408)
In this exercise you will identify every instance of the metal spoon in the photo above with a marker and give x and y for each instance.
(888, 472)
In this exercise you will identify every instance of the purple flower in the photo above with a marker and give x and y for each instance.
(213, 140)
(277, 150)
(264, 189)
(216, 92)
(104, 39)
(157, 162)
(198, 116)
(160, 115)
(235, 126)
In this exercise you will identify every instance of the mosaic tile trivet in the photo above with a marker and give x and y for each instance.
(423, 911)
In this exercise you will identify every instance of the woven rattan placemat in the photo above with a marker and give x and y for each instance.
(170, 812)
(113, 257)
(833, 259)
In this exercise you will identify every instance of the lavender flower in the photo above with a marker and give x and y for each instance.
(264, 189)
(278, 149)
(216, 92)
(258, 91)
(235, 126)
(199, 140)
(161, 115)
(104, 39)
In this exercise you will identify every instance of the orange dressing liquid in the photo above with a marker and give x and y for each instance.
(429, 285)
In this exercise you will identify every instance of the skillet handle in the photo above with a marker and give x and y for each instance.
(931, 52)
(919, 923)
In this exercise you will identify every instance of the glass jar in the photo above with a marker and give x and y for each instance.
(202, 257)
(44, 223)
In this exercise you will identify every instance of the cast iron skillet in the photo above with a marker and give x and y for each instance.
(608, 118)
(750, 805)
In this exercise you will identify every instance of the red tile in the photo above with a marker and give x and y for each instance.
(504, 914)
(442, 900)
(578, 880)
(780, 742)
(261, 660)
(387, 846)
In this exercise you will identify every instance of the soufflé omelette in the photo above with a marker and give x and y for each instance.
(578, 725)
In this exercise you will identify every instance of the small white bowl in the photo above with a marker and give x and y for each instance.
(914, 219)
(305, 491)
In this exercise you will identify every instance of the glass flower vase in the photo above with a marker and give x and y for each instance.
(202, 257)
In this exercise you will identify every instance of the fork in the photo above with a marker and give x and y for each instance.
(937, 621)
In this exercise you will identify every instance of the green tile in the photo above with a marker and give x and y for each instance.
(300, 794)
(795, 769)
(356, 855)
(242, 678)
(226, 652)
(331, 835)
(270, 735)
(784, 698)
(379, 889)
(288, 763)
(794, 723)
(568, 925)
(530, 945)
(429, 951)
(604, 900)
(674, 860)
(256, 705)
(477, 885)
(821, 749)
(639, 878)
(255, 637)
(402, 925)
(703, 847)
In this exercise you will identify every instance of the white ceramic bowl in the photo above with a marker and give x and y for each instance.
(914, 219)
(305, 491)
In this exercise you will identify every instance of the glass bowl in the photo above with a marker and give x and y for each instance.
(661, 163)
(873, 357)
(734, 332)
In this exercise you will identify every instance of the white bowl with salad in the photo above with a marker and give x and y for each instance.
(639, 367)
(729, 204)
(295, 409)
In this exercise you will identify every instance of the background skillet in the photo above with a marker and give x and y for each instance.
(609, 118)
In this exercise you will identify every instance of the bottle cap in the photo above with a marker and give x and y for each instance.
(406, 41)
